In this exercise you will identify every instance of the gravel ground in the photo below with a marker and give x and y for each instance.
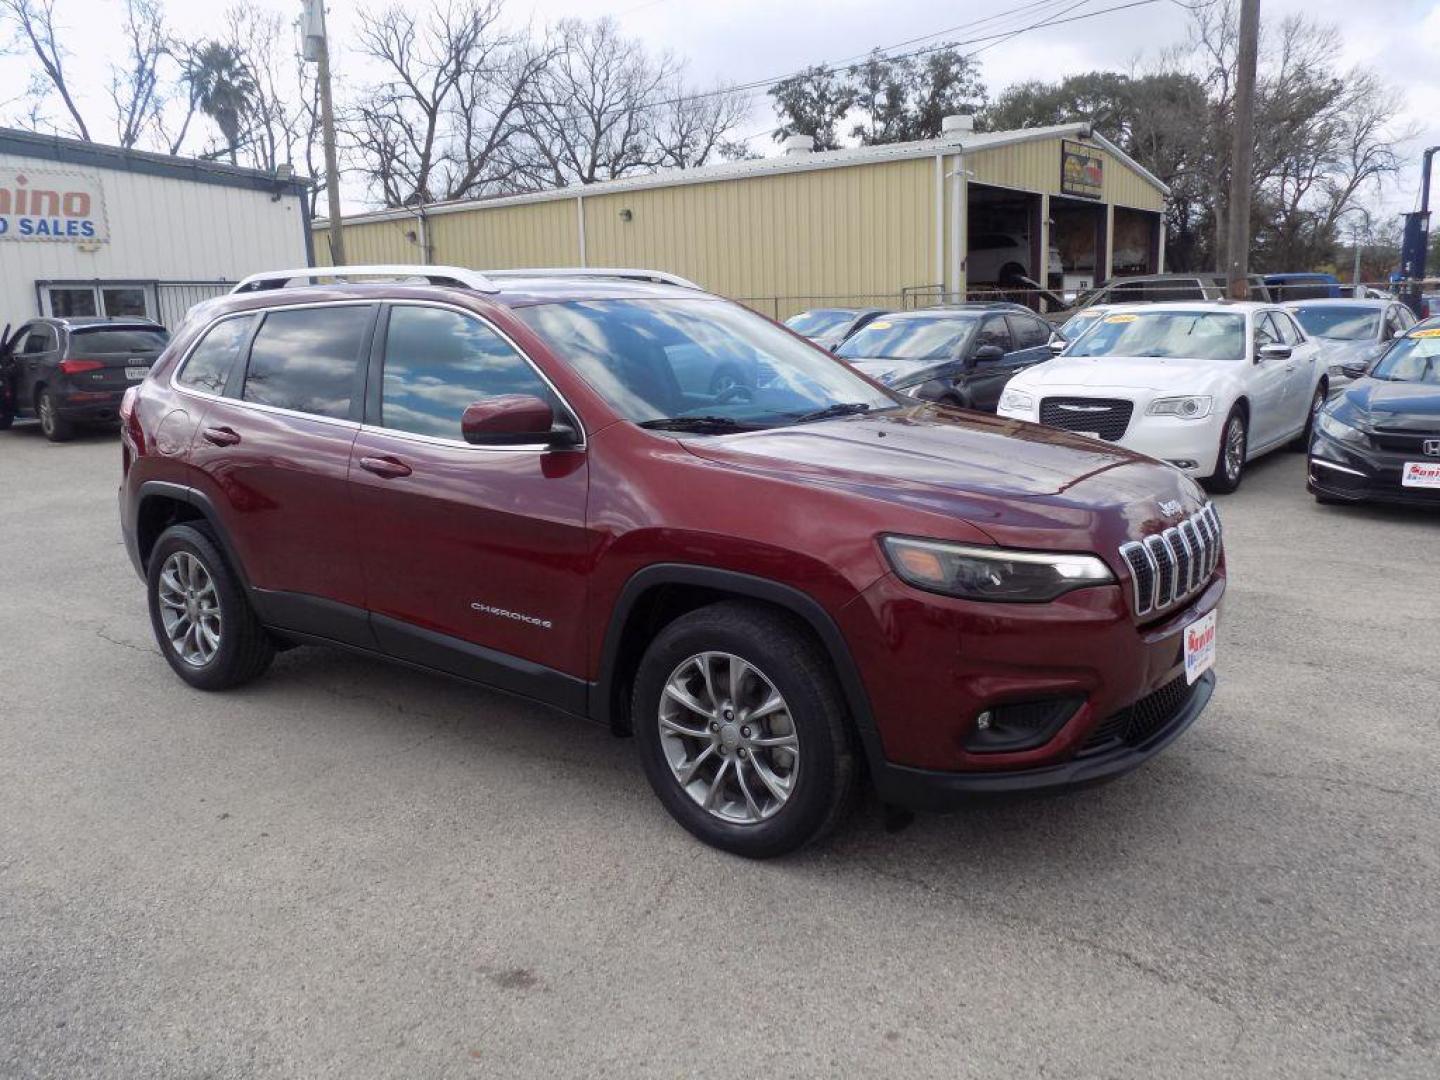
(348, 870)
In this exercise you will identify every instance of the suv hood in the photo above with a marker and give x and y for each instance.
(1021, 483)
(1133, 372)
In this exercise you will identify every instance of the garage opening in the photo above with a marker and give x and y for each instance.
(1077, 228)
(1003, 235)
(1137, 242)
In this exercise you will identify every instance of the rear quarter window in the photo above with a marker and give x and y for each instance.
(208, 368)
(306, 359)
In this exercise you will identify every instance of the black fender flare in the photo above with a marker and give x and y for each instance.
(798, 603)
(206, 508)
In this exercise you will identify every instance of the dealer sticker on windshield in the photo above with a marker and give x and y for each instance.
(1200, 646)
(1121, 318)
(1424, 333)
(1421, 474)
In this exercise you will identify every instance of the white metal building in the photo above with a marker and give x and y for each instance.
(94, 230)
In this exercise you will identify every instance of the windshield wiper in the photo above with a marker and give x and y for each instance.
(844, 408)
(696, 423)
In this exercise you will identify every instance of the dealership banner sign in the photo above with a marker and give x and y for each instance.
(1082, 171)
(46, 204)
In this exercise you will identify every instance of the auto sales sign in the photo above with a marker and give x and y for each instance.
(53, 205)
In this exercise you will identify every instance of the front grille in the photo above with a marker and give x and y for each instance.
(1106, 417)
(1136, 723)
(1169, 567)
(1407, 443)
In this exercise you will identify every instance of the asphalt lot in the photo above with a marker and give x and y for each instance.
(348, 870)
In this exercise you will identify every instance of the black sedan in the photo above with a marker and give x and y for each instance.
(1380, 438)
(960, 355)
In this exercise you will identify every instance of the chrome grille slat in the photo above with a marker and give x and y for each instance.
(1167, 568)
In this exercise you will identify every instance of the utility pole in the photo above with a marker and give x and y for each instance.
(1242, 152)
(317, 50)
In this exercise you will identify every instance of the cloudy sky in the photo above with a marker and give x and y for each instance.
(746, 40)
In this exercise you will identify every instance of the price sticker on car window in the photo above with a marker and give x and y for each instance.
(1121, 318)
(1434, 332)
(881, 324)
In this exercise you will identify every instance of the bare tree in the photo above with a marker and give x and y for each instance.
(440, 123)
(34, 27)
(691, 128)
(135, 90)
(592, 115)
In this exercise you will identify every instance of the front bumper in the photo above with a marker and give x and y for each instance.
(1339, 470)
(1165, 438)
(925, 789)
(932, 665)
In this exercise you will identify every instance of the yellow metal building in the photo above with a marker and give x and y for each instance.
(883, 224)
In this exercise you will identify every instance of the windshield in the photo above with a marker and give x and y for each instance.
(1197, 335)
(709, 361)
(910, 339)
(819, 322)
(1340, 323)
(118, 340)
(1412, 359)
(1078, 323)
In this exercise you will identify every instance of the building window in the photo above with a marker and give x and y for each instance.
(110, 299)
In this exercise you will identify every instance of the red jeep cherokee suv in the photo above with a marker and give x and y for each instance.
(613, 493)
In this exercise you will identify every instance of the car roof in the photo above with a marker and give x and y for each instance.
(1340, 302)
(1234, 307)
(87, 321)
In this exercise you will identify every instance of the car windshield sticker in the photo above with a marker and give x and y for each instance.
(1434, 332)
(1121, 318)
(881, 324)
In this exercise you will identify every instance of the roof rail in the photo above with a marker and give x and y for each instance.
(434, 275)
(660, 277)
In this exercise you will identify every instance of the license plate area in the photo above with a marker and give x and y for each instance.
(1420, 474)
(1200, 646)
(136, 372)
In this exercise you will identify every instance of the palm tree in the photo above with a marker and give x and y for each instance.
(222, 88)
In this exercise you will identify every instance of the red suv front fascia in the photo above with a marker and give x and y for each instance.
(793, 517)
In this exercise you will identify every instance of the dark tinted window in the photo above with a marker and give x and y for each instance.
(1161, 292)
(993, 331)
(1029, 332)
(437, 362)
(209, 365)
(135, 339)
(39, 340)
(1125, 293)
(306, 359)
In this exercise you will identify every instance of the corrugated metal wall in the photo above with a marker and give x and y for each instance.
(160, 228)
(781, 242)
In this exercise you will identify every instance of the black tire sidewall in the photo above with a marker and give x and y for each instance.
(1219, 481)
(236, 619)
(825, 753)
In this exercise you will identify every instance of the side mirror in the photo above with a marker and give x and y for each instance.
(514, 420)
(1355, 371)
(1058, 345)
(1276, 350)
(1395, 332)
(988, 353)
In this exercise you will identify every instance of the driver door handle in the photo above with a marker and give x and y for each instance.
(221, 436)
(389, 468)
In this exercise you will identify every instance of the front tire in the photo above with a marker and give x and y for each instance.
(742, 730)
(55, 427)
(202, 620)
(1230, 461)
(1317, 402)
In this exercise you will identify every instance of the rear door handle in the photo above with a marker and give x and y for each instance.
(388, 467)
(221, 436)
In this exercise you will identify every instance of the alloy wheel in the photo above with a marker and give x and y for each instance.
(728, 737)
(47, 415)
(189, 609)
(1234, 448)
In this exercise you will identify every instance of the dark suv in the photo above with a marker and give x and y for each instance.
(777, 589)
(74, 371)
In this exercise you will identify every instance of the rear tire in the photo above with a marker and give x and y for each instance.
(202, 619)
(759, 762)
(56, 427)
(1230, 460)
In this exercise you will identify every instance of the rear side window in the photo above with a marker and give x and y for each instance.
(208, 368)
(1029, 333)
(39, 340)
(306, 359)
(993, 331)
(133, 340)
(437, 362)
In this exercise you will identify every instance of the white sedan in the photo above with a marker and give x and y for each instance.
(1206, 386)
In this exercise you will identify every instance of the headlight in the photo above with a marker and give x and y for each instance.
(1017, 401)
(987, 573)
(1187, 408)
(1339, 430)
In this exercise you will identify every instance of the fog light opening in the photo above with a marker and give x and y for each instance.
(1183, 463)
(1020, 725)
